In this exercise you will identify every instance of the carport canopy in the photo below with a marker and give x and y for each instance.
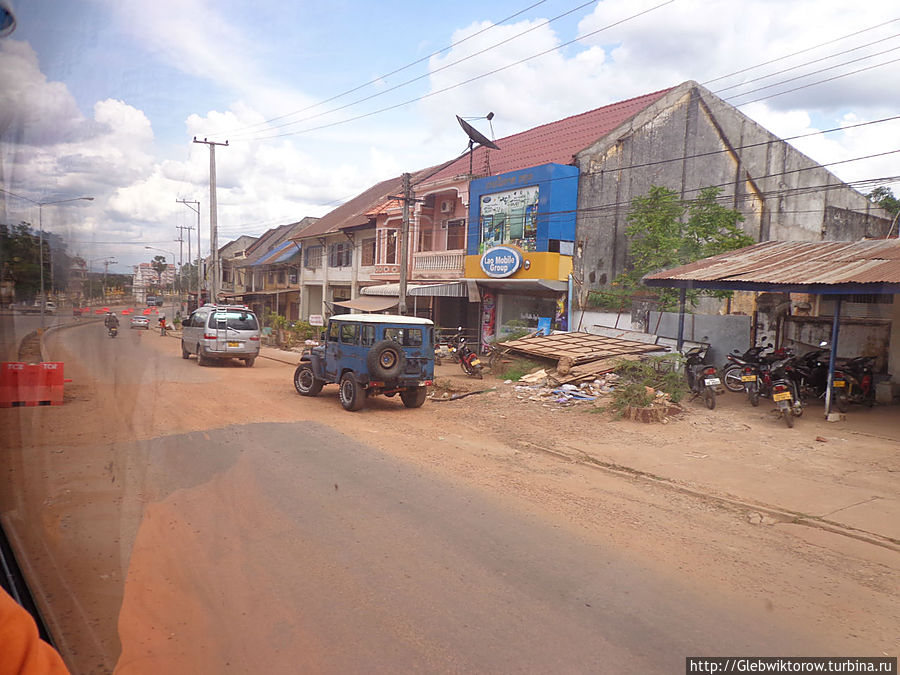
(870, 266)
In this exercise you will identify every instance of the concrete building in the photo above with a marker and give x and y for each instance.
(146, 281)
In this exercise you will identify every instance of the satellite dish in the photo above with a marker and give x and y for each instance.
(476, 136)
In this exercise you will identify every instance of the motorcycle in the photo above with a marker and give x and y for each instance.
(859, 372)
(702, 378)
(468, 360)
(812, 369)
(786, 390)
(732, 372)
(113, 331)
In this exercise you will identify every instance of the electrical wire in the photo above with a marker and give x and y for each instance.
(797, 53)
(429, 73)
(393, 72)
(464, 82)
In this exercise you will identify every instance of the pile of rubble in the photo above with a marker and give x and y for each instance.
(540, 386)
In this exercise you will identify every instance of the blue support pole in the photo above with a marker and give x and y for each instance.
(835, 326)
(682, 298)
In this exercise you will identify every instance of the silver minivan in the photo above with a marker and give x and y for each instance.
(221, 332)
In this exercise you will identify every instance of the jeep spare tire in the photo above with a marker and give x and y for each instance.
(385, 360)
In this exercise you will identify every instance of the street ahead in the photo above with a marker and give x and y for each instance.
(154, 507)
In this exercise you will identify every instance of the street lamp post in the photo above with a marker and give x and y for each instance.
(171, 253)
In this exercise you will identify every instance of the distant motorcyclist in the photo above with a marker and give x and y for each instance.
(111, 320)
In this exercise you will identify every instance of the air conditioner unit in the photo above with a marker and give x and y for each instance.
(447, 206)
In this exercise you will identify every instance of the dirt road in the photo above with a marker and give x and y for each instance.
(83, 475)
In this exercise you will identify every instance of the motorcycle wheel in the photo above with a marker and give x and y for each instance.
(467, 369)
(731, 377)
(843, 404)
(753, 395)
(788, 418)
(709, 397)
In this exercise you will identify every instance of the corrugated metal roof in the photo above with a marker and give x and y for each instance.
(823, 266)
(269, 256)
(447, 289)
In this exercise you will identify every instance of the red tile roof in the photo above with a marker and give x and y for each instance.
(556, 142)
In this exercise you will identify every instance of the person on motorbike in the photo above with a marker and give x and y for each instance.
(111, 320)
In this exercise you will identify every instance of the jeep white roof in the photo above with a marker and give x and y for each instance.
(383, 318)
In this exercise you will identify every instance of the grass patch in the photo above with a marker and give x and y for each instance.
(659, 373)
(516, 368)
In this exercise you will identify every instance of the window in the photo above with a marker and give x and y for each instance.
(281, 276)
(233, 319)
(408, 337)
(456, 234)
(313, 257)
(390, 247)
(368, 252)
(333, 331)
(367, 334)
(339, 254)
(348, 333)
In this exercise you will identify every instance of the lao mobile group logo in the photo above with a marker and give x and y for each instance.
(501, 261)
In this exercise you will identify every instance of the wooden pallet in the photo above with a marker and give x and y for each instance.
(579, 347)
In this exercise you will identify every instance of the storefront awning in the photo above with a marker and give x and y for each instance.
(523, 285)
(449, 289)
(369, 303)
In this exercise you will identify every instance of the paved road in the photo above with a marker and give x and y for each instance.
(293, 548)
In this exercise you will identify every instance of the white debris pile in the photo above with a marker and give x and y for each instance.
(537, 386)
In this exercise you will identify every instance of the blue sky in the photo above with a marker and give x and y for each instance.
(102, 97)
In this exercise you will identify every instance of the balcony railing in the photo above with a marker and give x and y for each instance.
(442, 263)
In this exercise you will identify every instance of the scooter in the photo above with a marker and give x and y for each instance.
(702, 378)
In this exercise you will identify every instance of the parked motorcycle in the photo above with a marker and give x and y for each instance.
(468, 360)
(732, 372)
(786, 390)
(812, 369)
(859, 373)
(702, 378)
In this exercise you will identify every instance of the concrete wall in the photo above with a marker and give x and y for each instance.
(724, 333)
(768, 182)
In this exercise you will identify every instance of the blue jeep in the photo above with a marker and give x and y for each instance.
(370, 354)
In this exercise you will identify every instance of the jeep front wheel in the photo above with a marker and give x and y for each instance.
(305, 381)
(385, 360)
(352, 395)
(413, 398)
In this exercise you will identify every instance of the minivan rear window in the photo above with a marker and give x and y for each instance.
(235, 320)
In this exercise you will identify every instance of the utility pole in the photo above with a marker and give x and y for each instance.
(407, 199)
(180, 241)
(190, 205)
(213, 235)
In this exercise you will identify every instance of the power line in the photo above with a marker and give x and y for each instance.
(797, 53)
(815, 72)
(813, 84)
(393, 72)
(809, 63)
(432, 72)
(464, 82)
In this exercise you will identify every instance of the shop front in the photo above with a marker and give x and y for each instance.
(520, 244)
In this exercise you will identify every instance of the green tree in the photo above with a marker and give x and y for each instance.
(159, 266)
(665, 231)
(884, 197)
